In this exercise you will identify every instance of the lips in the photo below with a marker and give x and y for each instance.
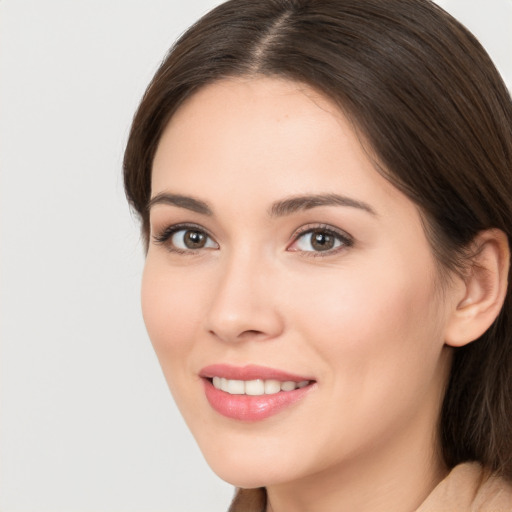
(249, 372)
(252, 393)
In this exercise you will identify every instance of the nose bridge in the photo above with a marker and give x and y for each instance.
(242, 305)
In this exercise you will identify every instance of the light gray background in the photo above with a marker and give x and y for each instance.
(87, 423)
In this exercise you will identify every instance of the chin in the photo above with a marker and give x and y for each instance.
(245, 477)
(246, 469)
(244, 481)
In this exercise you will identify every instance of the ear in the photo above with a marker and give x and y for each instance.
(480, 298)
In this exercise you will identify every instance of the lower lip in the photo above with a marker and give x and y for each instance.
(251, 408)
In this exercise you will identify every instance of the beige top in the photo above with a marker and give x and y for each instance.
(465, 489)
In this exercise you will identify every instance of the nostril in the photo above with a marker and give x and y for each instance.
(243, 321)
(249, 333)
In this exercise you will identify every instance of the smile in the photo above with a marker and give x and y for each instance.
(256, 387)
(252, 393)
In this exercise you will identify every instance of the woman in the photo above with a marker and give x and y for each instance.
(325, 195)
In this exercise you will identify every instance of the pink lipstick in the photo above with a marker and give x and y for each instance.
(252, 393)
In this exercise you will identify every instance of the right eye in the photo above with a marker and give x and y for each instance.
(184, 239)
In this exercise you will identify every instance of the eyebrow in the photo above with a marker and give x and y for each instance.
(278, 209)
(187, 202)
(307, 202)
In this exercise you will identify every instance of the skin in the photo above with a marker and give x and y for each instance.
(367, 320)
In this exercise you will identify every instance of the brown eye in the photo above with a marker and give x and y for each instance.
(189, 239)
(194, 239)
(322, 241)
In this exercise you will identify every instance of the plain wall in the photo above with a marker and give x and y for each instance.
(87, 423)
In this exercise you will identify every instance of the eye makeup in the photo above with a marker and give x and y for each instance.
(324, 240)
(195, 238)
(311, 240)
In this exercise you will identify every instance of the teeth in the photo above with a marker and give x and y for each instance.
(256, 387)
(272, 387)
(289, 385)
(234, 387)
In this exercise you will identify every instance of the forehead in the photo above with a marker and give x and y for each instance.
(238, 138)
(260, 106)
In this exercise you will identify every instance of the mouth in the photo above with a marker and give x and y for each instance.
(256, 387)
(252, 393)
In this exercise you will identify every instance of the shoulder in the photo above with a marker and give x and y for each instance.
(469, 488)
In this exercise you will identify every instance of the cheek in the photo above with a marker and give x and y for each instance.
(170, 302)
(379, 350)
(371, 323)
(171, 307)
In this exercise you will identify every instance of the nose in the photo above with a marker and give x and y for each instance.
(244, 305)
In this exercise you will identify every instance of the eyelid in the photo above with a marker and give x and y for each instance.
(162, 237)
(346, 239)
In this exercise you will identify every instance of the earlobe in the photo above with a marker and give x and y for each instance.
(483, 291)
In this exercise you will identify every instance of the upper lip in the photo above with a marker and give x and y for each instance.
(249, 372)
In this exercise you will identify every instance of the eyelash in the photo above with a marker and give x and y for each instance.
(343, 238)
(163, 238)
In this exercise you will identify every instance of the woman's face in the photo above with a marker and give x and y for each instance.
(278, 254)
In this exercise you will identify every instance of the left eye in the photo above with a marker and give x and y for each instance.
(187, 239)
(319, 240)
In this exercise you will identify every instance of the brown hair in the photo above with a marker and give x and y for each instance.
(435, 113)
